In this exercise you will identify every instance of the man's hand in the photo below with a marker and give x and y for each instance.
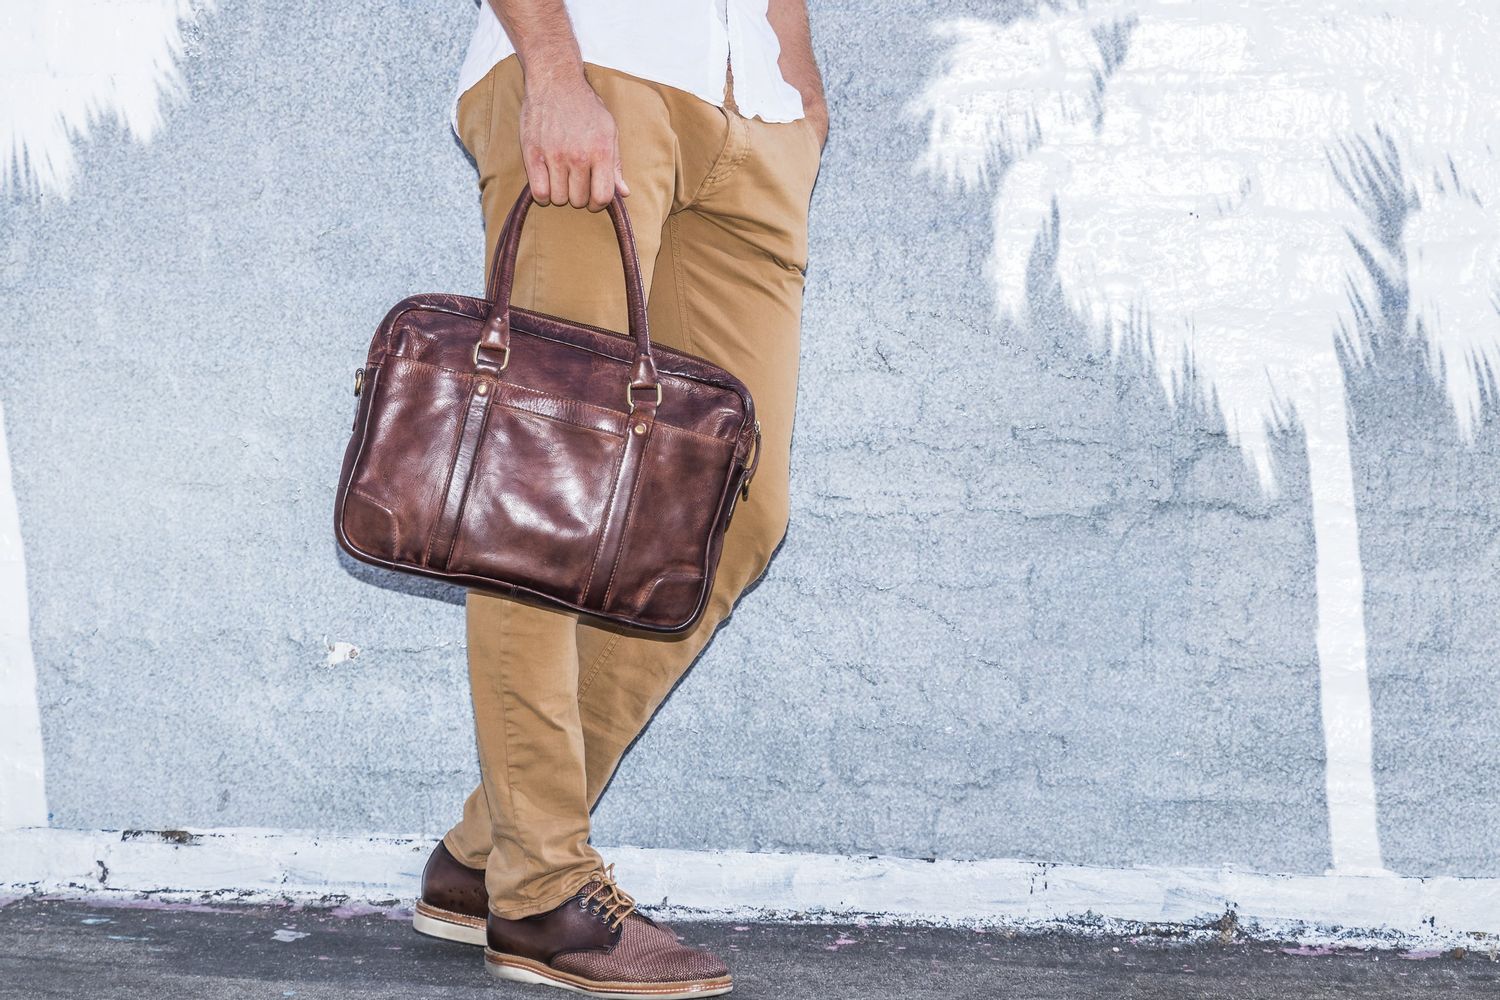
(568, 138)
(798, 66)
(569, 144)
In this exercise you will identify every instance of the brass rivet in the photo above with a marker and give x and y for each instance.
(640, 428)
(482, 389)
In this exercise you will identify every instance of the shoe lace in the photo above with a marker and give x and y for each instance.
(613, 903)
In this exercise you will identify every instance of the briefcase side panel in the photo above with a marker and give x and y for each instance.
(408, 431)
(672, 603)
(664, 560)
(364, 528)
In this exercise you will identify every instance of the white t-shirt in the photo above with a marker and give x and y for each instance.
(681, 43)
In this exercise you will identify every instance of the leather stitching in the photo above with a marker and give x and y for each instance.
(629, 513)
(604, 525)
(558, 976)
(458, 446)
(666, 357)
(504, 385)
(463, 500)
(697, 434)
(447, 916)
(665, 577)
(372, 379)
(463, 432)
(489, 586)
(515, 405)
(390, 514)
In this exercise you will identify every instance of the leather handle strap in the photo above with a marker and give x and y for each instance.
(444, 534)
(496, 336)
(492, 280)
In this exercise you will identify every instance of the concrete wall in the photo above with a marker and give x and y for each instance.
(1027, 608)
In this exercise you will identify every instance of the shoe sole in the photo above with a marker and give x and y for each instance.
(523, 970)
(448, 925)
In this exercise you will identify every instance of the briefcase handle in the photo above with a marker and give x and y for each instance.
(492, 351)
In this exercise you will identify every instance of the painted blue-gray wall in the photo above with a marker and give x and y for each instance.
(1025, 609)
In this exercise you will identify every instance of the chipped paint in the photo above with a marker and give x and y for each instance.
(340, 652)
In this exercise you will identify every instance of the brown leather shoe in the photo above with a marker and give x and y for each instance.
(454, 903)
(596, 943)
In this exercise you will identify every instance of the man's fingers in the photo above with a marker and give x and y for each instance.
(559, 180)
(537, 177)
(619, 174)
(582, 185)
(578, 183)
(601, 184)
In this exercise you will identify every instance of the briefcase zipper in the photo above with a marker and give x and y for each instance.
(751, 466)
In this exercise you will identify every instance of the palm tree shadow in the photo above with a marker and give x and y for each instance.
(1419, 489)
(1202, 476)
(1370, 173)
(1132, 367)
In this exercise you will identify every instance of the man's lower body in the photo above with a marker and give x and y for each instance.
(719, 207)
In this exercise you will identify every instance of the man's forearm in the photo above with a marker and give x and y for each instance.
(543, 38)
(789, 20)
(569, 143)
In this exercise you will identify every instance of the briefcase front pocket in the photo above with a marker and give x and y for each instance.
(530, 516)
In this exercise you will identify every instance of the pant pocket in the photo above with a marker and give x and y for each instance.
(475, 114)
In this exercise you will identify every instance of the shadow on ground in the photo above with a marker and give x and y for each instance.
(73, 949)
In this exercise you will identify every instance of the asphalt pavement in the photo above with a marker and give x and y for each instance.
(125, 950)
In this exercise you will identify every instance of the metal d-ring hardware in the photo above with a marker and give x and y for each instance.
(359, 381)
(632, 387)
(504, 358)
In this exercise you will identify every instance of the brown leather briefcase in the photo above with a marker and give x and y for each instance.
(527, 455)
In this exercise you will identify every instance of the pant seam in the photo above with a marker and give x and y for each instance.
(594, 668)
(736, 149)
(510, 783)
(674, 234)
(489, 113)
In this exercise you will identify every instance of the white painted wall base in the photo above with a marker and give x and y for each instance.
(23, 786)
(266, 866)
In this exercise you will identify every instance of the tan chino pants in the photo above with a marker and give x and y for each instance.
(719, 207)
